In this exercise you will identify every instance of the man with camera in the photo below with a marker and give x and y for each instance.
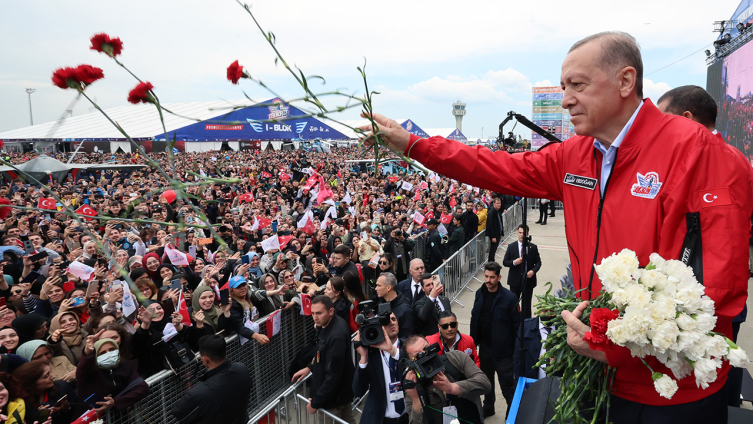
(400, 248)
(331, 366)
(450, 383)
(386, 290)
(429, 307)
(379, 372)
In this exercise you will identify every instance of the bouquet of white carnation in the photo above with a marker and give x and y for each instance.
(660, 310)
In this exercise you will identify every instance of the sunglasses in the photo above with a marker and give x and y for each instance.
(453, 324)
(383, 263)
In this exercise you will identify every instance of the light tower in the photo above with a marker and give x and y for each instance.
(458, 110)
(29, 91)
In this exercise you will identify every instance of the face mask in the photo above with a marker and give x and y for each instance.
(108, 360)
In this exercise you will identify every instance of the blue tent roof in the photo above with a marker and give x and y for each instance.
(254, 123)
(414, 129)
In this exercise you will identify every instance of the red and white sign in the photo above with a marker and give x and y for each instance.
(272, 243)
(80, 270)
(175, 256)
(392, 179)
(210, 127)
(273, 323)
(305, 304)
(424, 185)
(418, 218)
(86, 210)
(47, 203)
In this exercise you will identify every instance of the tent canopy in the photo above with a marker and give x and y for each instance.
(449, 133)
(42, 166)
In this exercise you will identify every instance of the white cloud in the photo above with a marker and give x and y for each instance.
(654, 90)
(545, 83)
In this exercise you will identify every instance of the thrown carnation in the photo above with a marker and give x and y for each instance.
(78, 77)
(235, 72)
(140, 93)
(104, 44)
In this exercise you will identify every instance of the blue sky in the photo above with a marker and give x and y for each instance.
(422, 55)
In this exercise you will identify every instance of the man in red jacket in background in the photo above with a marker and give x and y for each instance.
(632, 178)
(450, 338)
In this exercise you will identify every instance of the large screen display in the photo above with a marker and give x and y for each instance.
(730, 82)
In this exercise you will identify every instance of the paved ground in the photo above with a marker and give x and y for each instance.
(553, 250)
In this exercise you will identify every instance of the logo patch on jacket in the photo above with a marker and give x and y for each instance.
(648, 185)
(469, 351)
(578, 181)
(715, 197)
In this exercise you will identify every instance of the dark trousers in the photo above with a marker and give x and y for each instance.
(551, 207)
(493, 249)
(735, 377)
(503, 367)
(542, 213)
(525, 300)
(711, 409)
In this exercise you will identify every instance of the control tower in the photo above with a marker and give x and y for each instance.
(458, 110)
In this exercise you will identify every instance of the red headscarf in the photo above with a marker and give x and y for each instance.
(152, 274)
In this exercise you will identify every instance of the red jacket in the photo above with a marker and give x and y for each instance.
(465, 345)
(666, 167)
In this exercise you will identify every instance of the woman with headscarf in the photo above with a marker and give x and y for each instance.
(66, 336)
(206, 314)
(144, 342)
(8, 340)
(90, 250)
(43, 391)
(39, 350)
(166, 273)
(270, 296)
(254, 268)
(104, 376)
(151, 263)
(30, 327)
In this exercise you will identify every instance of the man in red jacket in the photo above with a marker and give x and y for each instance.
(450, 338)
(632, 178)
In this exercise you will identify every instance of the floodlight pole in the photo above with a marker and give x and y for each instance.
(31, 117)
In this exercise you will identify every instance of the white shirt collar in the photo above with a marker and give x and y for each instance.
(617, 141)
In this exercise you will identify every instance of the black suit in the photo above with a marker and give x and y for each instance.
(371, 379)
(494, 230)
(427, 316)
(470, 225)
(515, 275)
(406, 288)
(532, 343)
(434, 255)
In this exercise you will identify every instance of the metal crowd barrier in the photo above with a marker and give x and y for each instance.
(460, 268)
(290, 407)
(268, 365)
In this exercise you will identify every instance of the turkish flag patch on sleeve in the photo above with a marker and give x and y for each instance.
(714, 197)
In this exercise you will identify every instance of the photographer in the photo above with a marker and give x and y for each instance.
(400, 247)
(378, 373)
(455, 391)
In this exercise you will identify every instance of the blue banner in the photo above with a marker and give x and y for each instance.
(254, 123)
(414, 129)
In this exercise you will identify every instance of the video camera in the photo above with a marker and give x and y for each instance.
(426, 365)
(371, 321)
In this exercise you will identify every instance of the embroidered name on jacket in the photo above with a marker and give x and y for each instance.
(648, 185)
(578, 181)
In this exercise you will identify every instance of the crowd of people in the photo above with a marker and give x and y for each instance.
(78, 338)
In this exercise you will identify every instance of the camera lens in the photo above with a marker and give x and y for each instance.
(371, 334)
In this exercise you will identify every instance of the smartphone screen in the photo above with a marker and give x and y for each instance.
(245, 259)
(274, 226)
(224, 297)
(77, 301)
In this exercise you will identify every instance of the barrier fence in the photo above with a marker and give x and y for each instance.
(273, 398)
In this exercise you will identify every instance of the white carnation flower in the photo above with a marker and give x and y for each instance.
(689, 296)
(618, 332)
(656, 260)
(697, 350)
(662, 309)
(678, 270)
(665, 336)
(737, 358)
(706, 305)
(686, 322)
(616, 271)
(705, 371)
(639, 351)
(680, 367)
(716, 346)
(665, 386)
(688, 339)
(633, 295)
(705, 322)
(638, 322)
(653, 278)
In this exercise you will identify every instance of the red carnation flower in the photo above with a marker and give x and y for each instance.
(104, 44)
(78, 77)
(597, 338)
(140, 93)
(235, 72)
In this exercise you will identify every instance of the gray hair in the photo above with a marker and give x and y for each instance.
(618, 50)
(416, 261)
(390, 280)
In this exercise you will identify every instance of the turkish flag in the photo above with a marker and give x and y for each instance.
(424, 185)
(309, 228)
(453, 202)
(446, 219)
(273, 323)
(265, 174)
(305, 304)
(89, 417)
(285, 240)
(184, 311)
(284, 176)
(417, 197)
(339, 174)
(47, 203)
(264, 223)
(452, 188)
(86, 210)
(430, 215)
(248, 197)
(392, 179)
